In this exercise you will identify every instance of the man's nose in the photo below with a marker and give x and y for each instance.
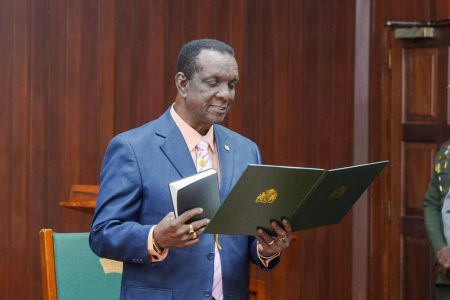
(225, 92)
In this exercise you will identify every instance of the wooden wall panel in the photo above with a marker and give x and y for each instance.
(106, 72)
(6, 166)
(20, 144)
(416, 156)
(414, 250)
(149, 59)
(37, 134)
(421, 87)
(297, 48)
(56, 101)
(443, 9)
(80, 132)
(124, 66)
(409, 10)
(74, 73)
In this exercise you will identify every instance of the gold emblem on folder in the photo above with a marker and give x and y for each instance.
(111, 266)
(267, 197)
(337, 193)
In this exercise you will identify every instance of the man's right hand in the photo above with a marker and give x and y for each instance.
(443, 260)
(173, 232)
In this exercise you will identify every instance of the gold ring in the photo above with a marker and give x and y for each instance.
(191, 229)
(284, 239)
(194, 235)
(271, 243)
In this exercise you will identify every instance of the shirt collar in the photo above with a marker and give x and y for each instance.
(190, 135)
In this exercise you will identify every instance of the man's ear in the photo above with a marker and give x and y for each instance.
(182, 84)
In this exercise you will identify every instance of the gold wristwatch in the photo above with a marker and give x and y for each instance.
(157, 247)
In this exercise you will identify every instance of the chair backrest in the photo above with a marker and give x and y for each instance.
(70, 270)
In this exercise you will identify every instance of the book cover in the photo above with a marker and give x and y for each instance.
(308, 197)
(198, 190)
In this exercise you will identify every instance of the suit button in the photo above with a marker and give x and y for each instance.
(210, 256)
(207, 294)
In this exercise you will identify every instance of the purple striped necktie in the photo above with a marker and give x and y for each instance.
(203, 162)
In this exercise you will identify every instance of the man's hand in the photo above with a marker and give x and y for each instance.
(174, 232)
(272, 245)
(443, 261)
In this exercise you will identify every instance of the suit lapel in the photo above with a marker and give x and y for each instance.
(174, 146)
(226, 154)
(176, 150)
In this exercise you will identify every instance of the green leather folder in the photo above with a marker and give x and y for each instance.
(307, 197)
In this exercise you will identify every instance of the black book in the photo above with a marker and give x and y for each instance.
(198, 190)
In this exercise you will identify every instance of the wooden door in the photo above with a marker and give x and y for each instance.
(416, 117)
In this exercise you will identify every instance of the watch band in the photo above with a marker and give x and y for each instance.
(157, 247)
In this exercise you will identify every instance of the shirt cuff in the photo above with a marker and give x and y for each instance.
(265, 260)
(152, 254)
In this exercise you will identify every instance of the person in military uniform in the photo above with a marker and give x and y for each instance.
(436, 208)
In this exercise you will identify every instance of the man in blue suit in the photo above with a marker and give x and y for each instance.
(166, 257)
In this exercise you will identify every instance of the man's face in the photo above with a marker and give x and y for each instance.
(211, 89)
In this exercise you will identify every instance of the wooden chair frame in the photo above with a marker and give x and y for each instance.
(83, 198)
(49, 291)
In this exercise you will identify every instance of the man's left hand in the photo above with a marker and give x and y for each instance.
(271, 245)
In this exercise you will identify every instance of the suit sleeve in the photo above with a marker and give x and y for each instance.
(253, 242)
(115, 232)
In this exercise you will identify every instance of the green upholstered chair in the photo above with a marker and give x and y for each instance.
(70, 270)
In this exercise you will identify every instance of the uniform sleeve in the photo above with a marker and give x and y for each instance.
(432, 206)
(115, 232)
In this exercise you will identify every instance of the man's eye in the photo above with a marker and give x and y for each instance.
(211, 82)
(232, 85)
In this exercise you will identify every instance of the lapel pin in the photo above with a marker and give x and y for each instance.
(227, 147)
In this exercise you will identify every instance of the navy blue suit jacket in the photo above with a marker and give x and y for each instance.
(134, 195)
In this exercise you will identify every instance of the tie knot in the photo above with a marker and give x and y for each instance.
(202, 145)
